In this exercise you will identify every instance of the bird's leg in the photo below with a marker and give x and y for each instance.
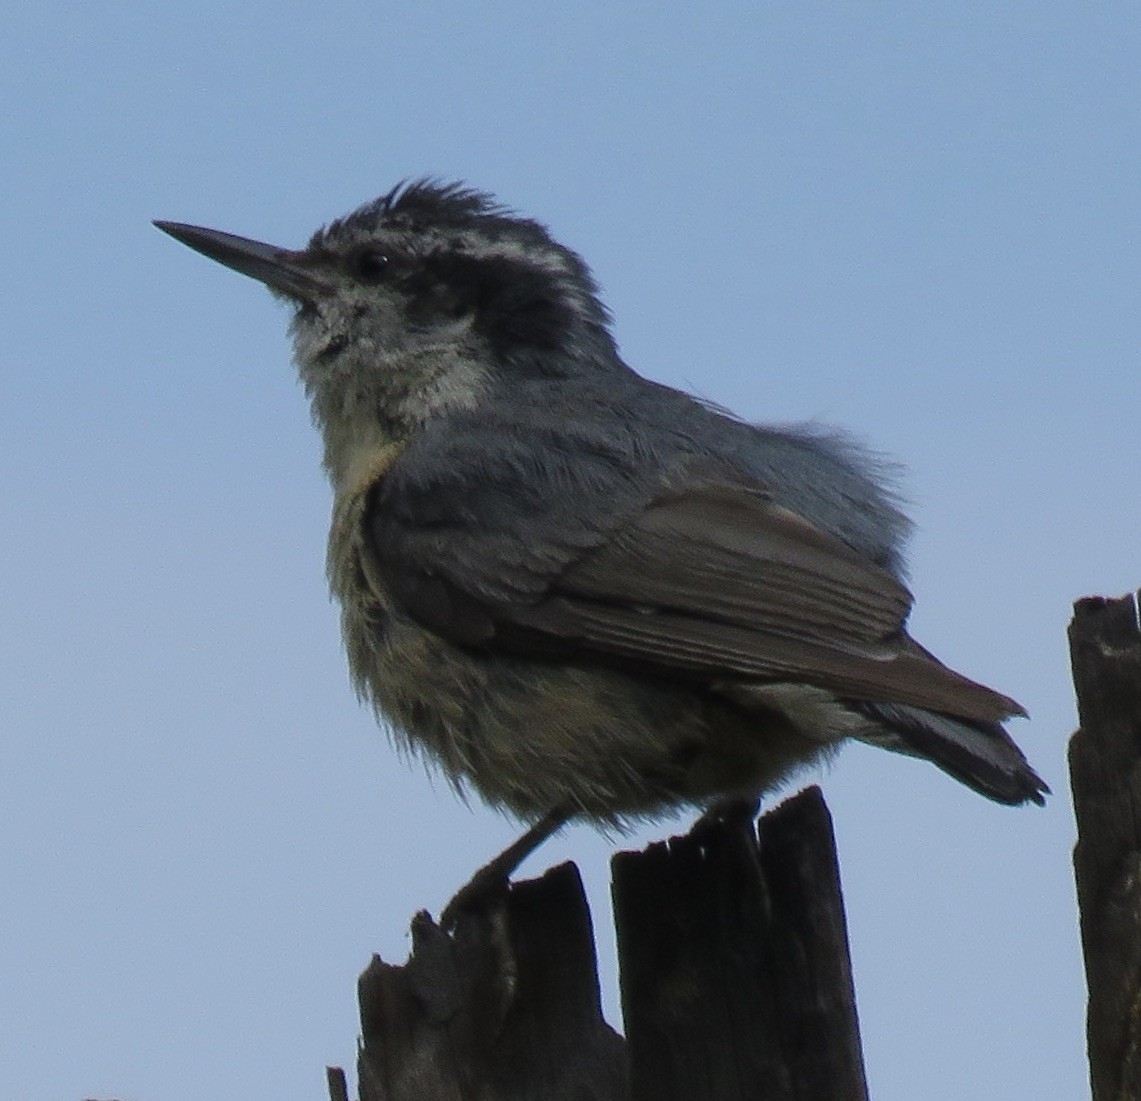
(497, 871)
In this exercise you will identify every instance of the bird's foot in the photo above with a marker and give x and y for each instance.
(494, 876)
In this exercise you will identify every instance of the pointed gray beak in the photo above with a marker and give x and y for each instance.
(279, 269)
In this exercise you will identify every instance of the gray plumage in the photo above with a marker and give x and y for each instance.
(573, 587)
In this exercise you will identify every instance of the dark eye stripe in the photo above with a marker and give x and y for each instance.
(370, 265)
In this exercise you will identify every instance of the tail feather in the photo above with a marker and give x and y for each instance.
(977, 753)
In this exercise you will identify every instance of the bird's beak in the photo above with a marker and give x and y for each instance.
(278, 268)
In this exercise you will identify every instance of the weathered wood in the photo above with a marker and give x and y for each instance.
(505, 1008)
(734, 972)
(736, 982)
(338, 1087)
(1105, 774)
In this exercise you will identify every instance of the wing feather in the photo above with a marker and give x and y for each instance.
(711, 580)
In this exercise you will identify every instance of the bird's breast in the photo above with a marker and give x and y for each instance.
(353, 576)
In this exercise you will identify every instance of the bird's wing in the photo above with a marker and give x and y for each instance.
(708, 578)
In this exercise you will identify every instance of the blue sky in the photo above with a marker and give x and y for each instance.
(919, 221)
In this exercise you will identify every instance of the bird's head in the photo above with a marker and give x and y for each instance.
(415, 303)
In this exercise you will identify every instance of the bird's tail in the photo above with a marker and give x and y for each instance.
(979, 754)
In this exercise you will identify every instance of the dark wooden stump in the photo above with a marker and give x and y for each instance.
(1105, 773)
(734, 971)
(505, 1007)
(736, 982)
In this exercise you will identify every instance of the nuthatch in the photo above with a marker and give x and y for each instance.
(580, 592)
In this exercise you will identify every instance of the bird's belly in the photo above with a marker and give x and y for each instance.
(529, 735)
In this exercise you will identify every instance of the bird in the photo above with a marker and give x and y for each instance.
(582, 593)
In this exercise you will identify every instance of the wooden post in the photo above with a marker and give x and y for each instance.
(734, 972)
(505, 1007)
(736, 982)
(1105, 773)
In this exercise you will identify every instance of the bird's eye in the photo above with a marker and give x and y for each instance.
(370, 265)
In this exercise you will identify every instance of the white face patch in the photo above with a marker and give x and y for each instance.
(366, 394)
(391, 353)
